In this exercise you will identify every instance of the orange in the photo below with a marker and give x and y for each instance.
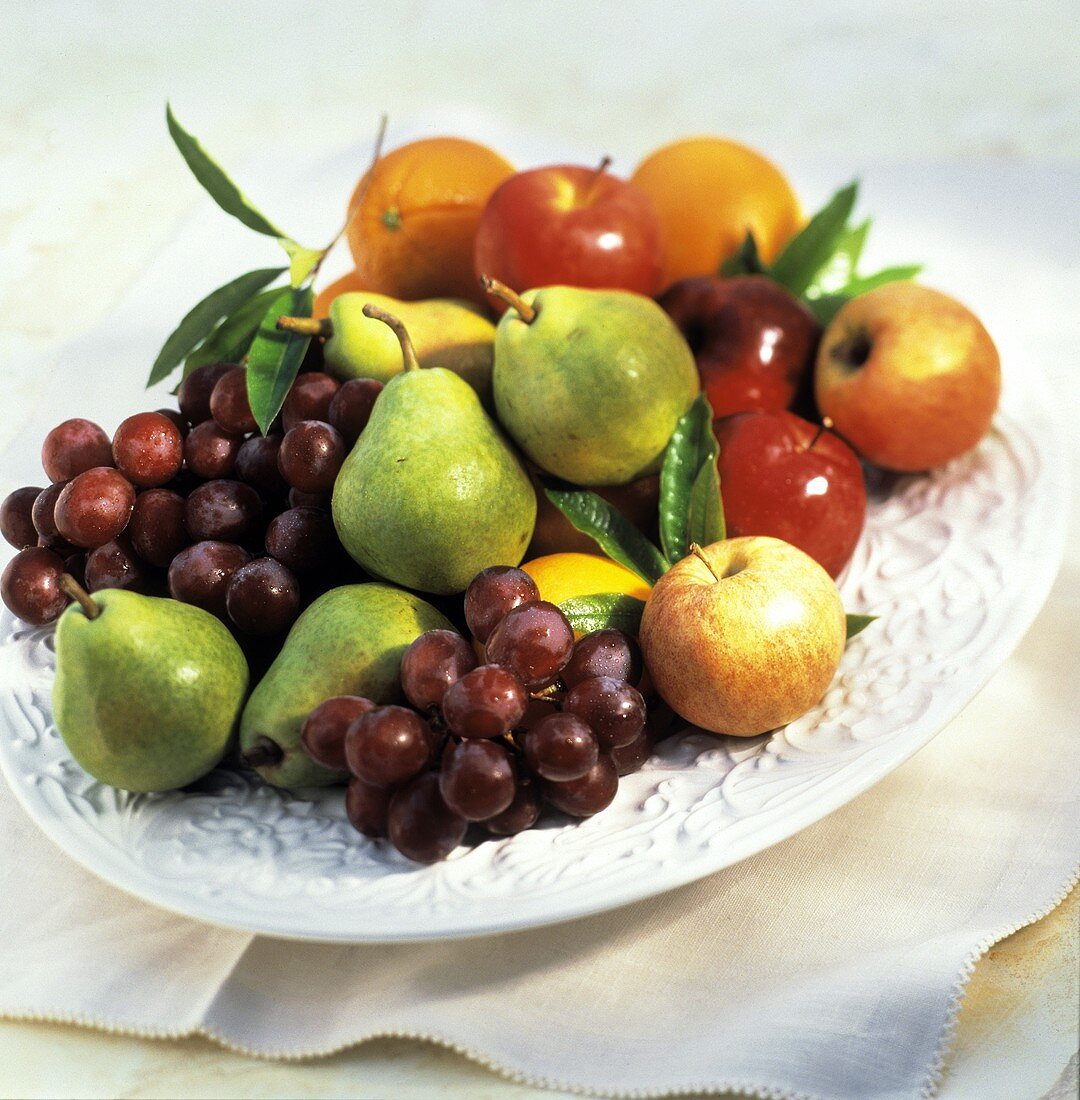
(708, 192)
(411, 231)
(345, 285)
(562, 576)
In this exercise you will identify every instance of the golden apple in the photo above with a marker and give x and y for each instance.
(909, 376)
(744, 635)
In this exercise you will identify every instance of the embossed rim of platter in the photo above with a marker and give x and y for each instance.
(705, 804)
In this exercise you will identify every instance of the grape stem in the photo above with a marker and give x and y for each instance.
(511, 297)
(408, 352)
(71, 587)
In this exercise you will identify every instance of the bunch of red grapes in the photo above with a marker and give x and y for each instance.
(194, 503)
(543, 719)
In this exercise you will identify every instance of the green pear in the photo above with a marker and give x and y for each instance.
(590, 383)
(446, 332)
(147, 691)
(350, 641)
(432, 492)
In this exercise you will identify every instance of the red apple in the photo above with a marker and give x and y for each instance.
(570, 226)
(753, 341)
(780, 475)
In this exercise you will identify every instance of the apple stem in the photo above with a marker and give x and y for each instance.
(700, 555)
(306, 326)
(511, 297)
(826, 425)
(408, 352)
(71, 587)
(602, 167)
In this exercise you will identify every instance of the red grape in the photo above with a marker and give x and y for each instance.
(196, 388)
(94, 507)
(534, 641)
(521, 814)
(477, 779)
(492, 593)
(628, 758)
(17, 517)
(210, 451)
(420, 824)
(309, 399)
(351, 407)
(388, 746)
(263, 597)
(114, 565)
(257, 464)
(200, 574)
(487, 702)
(614, 710)
(588, 795)
(222, 510)
(603, 653)
(311, 455)
(561, 747)
(148, 449)
(30, 585)
(434, 661)
(43, 513)
(366, 807)
(302, 538)
(157, 529)
(322, 736)
(229, 404)
(73, 447)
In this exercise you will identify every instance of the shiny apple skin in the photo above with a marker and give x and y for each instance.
(754, 343)
(775, 479)
(569, 226)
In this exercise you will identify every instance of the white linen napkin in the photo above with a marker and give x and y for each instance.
(830, 966)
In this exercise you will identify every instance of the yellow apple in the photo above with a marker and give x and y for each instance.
(909, 376)
(744, 635)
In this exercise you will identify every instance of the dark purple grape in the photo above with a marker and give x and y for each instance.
(148, 449)
(492, 593)
(561, 747)
(388, 746)
(628, 758)
(351, 407)
(256, 464)
(195, 391)
(434, 661)
(603, 653)
(322, 736)
(210, 451)
(534, 641)
(299, 499)
(114, 565)
(222, 510)
(75, 567)
(178, 418)
(309, 399)
(200, 574)
(263, 597)
(73, 447)
(588, 795)
(521, 814)
(43, 513)
(311, 455)
(477, 779)
(420, 824)
(367, 807)
(157, 529)
(229, 405)
(536, 711)
(487, 702)
(30, 585)
(302, 538)
(17, 517)
(614, 710)
(94, 507)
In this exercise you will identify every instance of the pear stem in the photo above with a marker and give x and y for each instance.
(826, 425)
(408, 352)
(700, 555)
(71, 587)
(510, 297)
(601, 168)
(307, 326)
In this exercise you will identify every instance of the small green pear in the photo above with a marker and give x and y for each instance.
(446, 332)
(432, 492)
(590, 383)
(350, 641)
(148, 691)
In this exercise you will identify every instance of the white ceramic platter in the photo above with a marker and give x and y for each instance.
(956, 564)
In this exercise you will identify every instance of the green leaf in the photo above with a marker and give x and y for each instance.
(302, 261)
(856, 624)
(198, 322)
(706, 521)
(229, 342)
(605, 610)
(611, 531)
(826, 307)
(862, 283)
(839, 269)
(691, 447)
(746, 261)
(217, 184)
(810, 249)
(275, 356)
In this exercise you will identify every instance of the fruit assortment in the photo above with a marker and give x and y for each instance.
(624, 419)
